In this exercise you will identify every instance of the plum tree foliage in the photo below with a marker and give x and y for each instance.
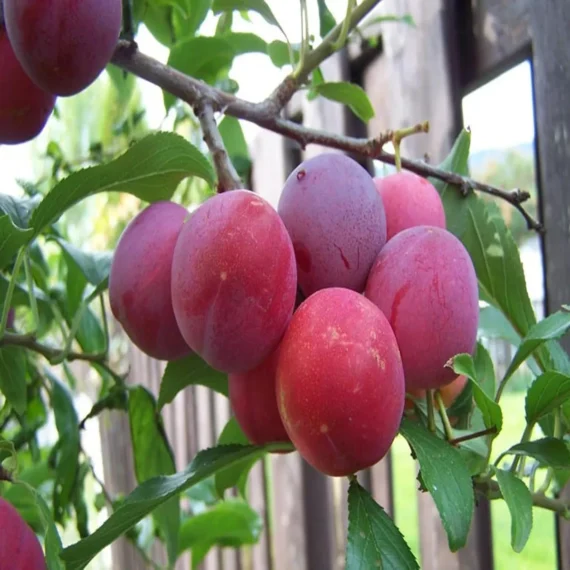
(353, 311)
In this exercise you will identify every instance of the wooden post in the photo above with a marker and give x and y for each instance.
(551, 74)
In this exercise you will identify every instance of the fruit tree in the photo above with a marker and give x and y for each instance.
(345, 315)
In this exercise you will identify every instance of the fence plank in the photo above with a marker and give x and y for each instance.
(551, 73)
(501, 35)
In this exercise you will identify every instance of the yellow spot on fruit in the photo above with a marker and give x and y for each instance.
(223, 275)
(324, 428)
(334, 333)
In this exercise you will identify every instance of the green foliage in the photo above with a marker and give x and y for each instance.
(189, 371)
(519, 500)
(444, 474)
(374, 541)
(349, 94)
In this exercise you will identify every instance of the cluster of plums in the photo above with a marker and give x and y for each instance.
(387, 297)
(50, 49)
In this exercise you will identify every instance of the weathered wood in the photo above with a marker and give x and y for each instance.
(551, 77)
(410, 83)
(501, 36)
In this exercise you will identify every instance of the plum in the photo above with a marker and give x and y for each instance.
(64, 44)
(336, 220)
(24, 107)
(234, 280)
(139, 281)
(20, 548)
(424, 282)
(340, 382)
(409, 200)
(254, 404)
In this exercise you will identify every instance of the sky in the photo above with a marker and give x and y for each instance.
(499, 114)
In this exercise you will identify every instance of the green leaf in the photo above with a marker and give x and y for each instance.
(235, 476)
(494, 252)
(547, 392)
(153, 457)
(374, 541)
(67, 425)
(493, 324)
(116, 399)
(278, 52)
(153, 493)
(548, 451)
(519, 501)
(551, 328)
(158, 20)
(19, 209)
(94, 266)
(12, 238)
(492, 413)
(189, 371)
(446, 477)
(259, 6)
(124, 84)
(201, 57)
(485, 370)
(236, 145)
(53, 544)
(229, 523)
(349, 94)
(150, 169)
(245, 42)
(326, 19)
(405, 19)
(187, 24)
(13, 377)
(233, 137)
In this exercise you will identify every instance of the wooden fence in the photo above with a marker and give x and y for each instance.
(415, 73)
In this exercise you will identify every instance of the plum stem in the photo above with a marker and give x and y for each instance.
(228, 178)
(304, 37)
(474, 435)
(430, 411)
(10, 291)
(339, 43)
(30, 284)
(267, 114)
(399, 135)
(444, 417)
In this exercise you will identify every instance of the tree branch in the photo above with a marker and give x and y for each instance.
(50, 353)
(491, 490)
(228, 178)
(193, 91)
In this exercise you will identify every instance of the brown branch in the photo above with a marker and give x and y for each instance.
(193, 91)
(50, 353)
(228, 178)
(492, 491)
(287, 88)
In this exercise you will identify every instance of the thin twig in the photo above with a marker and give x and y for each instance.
(228, 178)
(266, 115)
